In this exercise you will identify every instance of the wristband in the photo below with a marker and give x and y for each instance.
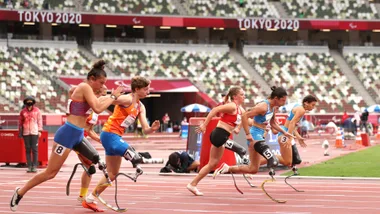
(113, 97)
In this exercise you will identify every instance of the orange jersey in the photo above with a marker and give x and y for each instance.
(122, 118)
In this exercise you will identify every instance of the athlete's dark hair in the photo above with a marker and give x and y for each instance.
(97, 70)
(309, 99)
(278, 92)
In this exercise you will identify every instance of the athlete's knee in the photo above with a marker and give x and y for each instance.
(263, 149)
(213, 163)
(112, 176)
(50, 174)
(133, 156)
(287, 162)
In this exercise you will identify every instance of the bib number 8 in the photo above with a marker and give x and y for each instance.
(59, 150)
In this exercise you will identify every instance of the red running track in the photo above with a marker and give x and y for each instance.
(168, 194)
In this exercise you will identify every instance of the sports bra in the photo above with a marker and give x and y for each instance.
(261, 119)
(78, 108)
(291, 115)
(232, 119)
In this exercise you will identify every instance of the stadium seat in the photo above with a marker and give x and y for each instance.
(198, 66)
(20, 80)
(326, 9)
(366, 67)
(131, 6)
(225, 8)
(308, 73)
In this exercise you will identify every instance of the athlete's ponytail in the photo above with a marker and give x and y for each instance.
(278, 92)
(97, 70)
(234, 90)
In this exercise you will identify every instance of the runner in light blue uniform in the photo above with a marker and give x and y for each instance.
(289, 153)
(258, 132)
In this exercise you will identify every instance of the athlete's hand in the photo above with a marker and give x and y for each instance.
(201, 128)
(236, 130)
(250, 140)
(155, 125)
(302, 142)
(117, 92)
(287, 134)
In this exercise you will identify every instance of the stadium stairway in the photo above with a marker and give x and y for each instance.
(180, 7)
(265, 88)
(346, 69)
(38, 70)
(377, 5)
(109, 68)
(280, 9)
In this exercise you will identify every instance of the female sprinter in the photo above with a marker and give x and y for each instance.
(230, 119)
(71, 133)
(127, 109)
(89, 131)
(289, 154)
(262, 113)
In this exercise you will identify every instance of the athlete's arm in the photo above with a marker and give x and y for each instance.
(97, 106)
(298, 136)
(144, 123)
(225, 108)
(237, 128)
(299, 112)
(93, 135)
(259, 109)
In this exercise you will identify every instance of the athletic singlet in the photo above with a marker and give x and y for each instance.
(78, 108)
(291, 115)
(122, 118)
(232, 119)
(261, 119)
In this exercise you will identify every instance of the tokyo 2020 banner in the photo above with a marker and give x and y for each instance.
(39, 16)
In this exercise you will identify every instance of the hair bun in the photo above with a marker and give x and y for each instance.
(99, 64)
(273, 88)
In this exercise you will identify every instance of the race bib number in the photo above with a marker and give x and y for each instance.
(268, 116)
(59, 150)
(68, 106)
(268, 154)
(229, 144)
(94, 118)
(238, 119)
(128, 121)
(283, 139)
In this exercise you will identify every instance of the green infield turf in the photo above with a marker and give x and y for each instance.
(365, 163)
